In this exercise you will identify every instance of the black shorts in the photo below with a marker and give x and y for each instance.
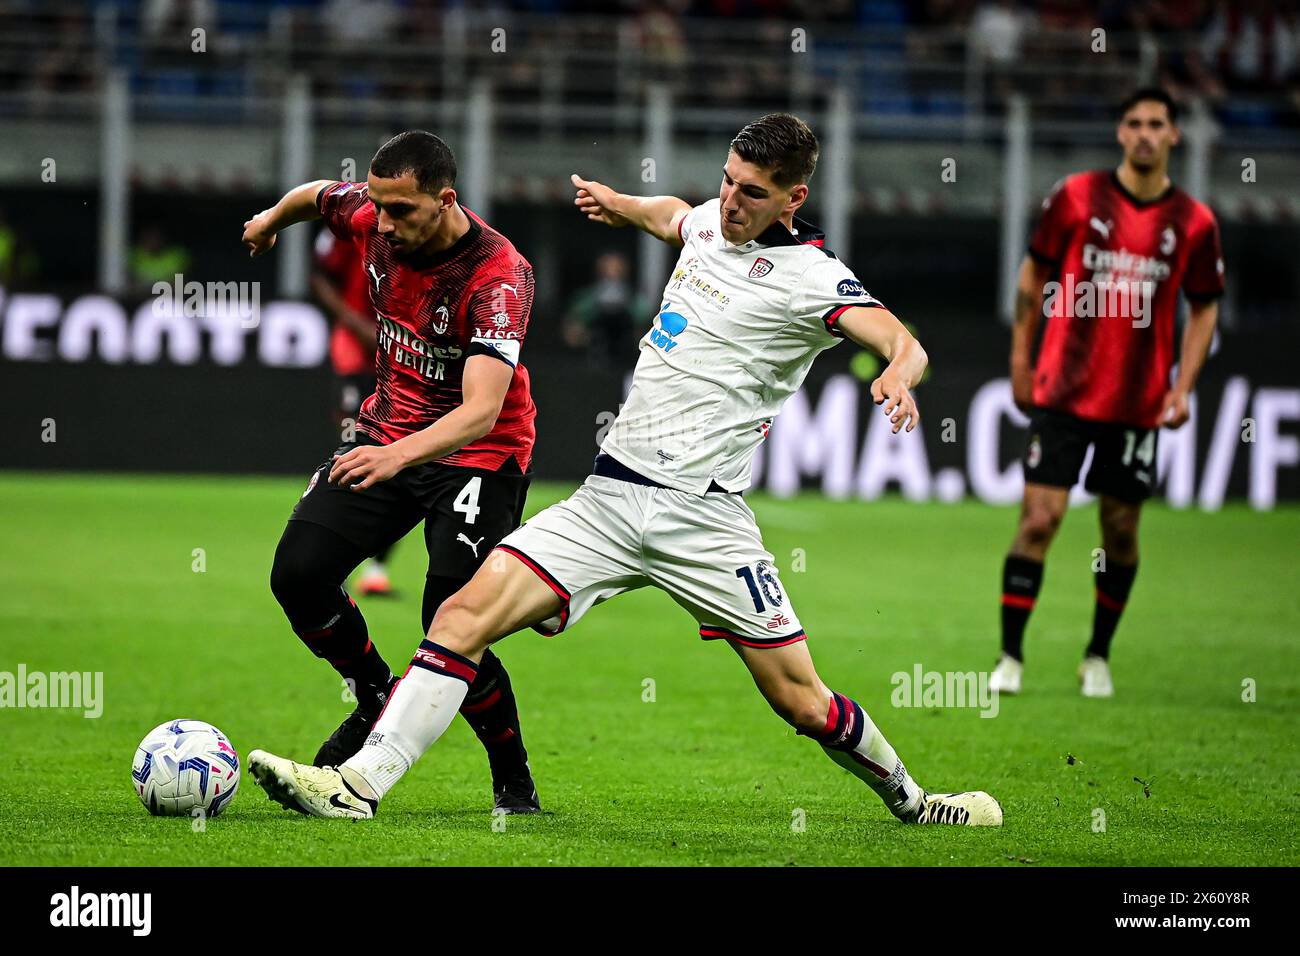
(1123, 457)
(465, 511)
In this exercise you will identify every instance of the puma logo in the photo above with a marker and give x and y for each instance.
(1101, 227)
(376, 276)
(506, 285)
(473, 545)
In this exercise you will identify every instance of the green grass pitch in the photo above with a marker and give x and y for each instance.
(98, 575)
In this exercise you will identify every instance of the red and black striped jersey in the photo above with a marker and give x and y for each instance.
(1108, 345)
(473, 298)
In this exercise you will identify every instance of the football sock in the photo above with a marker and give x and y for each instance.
(1021, 579)
(419, 710)
(491, 710)
(311, 562)
(490, 706)
(1113, 586)
(853, 741)
(342, 639)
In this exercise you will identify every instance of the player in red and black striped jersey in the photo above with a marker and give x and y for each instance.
(446, 438)
(1107, 260)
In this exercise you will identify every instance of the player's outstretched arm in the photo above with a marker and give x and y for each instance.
(879, 330)
(1024, 329)
(297, 205)
(483, 389)
(657, 215)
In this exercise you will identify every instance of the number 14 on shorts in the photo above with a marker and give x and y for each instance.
(1145, 449)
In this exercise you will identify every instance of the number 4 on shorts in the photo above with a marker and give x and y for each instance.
(467, 501)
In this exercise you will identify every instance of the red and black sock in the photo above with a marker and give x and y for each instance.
(1021, 579)
(490, 705)
(1113, 587)
(311, 561)
(492, 711)
(344, 641)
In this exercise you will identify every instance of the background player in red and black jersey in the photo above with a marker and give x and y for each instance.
(446, 438)
(342, 288)
(1111, 251)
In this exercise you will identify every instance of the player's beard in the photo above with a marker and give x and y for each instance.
(413, 249)
(1145, 162)
(407, 250)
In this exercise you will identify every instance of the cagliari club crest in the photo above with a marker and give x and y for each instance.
(760, 268)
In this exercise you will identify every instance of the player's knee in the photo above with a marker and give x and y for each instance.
(801, 708)
(1038, 525)
(291, 576)
(1119, 535)
(459, 626)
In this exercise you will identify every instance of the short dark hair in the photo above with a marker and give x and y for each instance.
(782, 144)
(1154, 94)
(422, 154)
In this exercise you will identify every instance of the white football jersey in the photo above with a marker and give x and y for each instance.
(737, 331)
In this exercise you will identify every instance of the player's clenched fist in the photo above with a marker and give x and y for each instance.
(889, 390)
(595, 200)
(1174, 409)
(259, 237)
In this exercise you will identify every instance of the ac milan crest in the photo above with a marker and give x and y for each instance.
(1035, 454)
(315, 477)
(760, 268)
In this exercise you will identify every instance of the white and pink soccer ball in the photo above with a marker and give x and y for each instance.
(184, 765)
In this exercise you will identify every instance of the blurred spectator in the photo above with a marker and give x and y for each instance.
(603, 318)
(176, 18)
(61, 66)
(155, 259)
(1252, 44)
(358, 22)
(659, 35)
(1067, 14)
(997, 31)
(1177, 27)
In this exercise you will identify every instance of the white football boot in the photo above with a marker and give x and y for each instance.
(1094, 677)
(974, 808)
(315, 791)
(1005, 678)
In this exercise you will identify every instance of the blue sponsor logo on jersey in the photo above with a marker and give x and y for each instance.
(851, 289)
(668, 325)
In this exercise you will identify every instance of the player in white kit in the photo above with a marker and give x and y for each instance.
(752, 301)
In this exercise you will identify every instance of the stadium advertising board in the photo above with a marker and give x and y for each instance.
(213, 372)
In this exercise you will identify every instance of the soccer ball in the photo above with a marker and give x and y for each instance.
(183, 765)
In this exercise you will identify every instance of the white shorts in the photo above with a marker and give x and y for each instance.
(613, 536)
